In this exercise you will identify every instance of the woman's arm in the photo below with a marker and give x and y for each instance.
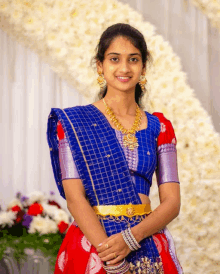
(82, 211)
(169, 208)
(168, 183)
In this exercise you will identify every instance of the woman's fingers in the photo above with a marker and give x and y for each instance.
(107, 242)
(115, 260)
(106, 253)
(109, 256)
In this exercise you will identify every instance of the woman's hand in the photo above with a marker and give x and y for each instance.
(117, 245)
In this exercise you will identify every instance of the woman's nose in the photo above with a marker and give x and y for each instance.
(124, 66)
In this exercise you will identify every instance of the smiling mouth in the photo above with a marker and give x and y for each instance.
(123, 79)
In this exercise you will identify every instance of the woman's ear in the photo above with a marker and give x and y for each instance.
(99, 66)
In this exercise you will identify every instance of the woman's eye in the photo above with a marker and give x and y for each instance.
(130, 58)
(135, 59)
(113, 58)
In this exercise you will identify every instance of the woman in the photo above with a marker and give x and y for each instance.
(103, 157)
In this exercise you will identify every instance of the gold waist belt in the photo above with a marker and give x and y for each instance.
(126, 210)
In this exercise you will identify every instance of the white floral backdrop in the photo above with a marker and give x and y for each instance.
(46, 27)
(211, 8)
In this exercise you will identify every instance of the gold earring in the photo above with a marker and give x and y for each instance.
(142, 82)
(101, 80)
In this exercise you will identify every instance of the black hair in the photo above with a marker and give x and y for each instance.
(136, 38)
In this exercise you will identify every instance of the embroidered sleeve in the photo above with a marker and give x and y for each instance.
(167, 170)
(67, 164)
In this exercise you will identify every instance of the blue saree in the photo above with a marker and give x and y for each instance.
(104, 171)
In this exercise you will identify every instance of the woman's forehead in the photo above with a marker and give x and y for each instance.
(122, 46)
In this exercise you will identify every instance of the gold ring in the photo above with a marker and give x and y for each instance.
(115, 255)
(106, 245)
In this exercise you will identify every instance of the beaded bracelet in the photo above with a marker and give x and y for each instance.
(125, 237)
(130, 239)
(136, 244)
(122, 268)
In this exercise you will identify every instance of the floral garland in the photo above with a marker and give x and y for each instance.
(51, 29)
(211, 8)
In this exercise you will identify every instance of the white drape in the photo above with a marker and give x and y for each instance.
(29, 89)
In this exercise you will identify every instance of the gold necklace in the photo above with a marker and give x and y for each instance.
(129, 139)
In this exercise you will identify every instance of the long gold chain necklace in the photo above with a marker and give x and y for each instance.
(129, 139)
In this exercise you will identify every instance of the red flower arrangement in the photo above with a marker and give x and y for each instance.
(25, 213)
(35, 209)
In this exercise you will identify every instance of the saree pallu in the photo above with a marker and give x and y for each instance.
(105, 175)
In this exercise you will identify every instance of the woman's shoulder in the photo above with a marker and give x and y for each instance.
(159, 116)
(68, 111)
(167, 133)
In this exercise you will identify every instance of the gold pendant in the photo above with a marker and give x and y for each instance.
(130, 141)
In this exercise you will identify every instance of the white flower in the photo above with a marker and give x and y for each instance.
(49, 209)
(16, 16)
(7, 218)
(30, 22)
(59, 52)
(4, 7)
(42, 225)
(61, 215)
(52, 39)
(36, 196)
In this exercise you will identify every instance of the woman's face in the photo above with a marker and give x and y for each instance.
(122, 59)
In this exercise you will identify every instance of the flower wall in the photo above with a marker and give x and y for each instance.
(51, 28)
(211, 8)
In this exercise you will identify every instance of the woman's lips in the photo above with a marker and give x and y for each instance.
(123, 80)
